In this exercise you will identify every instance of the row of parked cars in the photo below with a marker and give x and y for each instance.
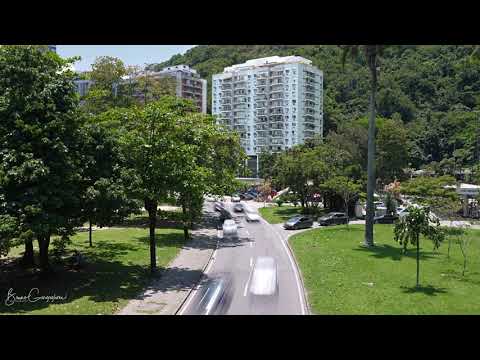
(332, 218)
(304, 222)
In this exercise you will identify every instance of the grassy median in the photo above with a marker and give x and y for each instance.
(342, 277)
(117, 270)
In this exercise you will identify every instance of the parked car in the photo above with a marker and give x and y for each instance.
(230, 228)
(385, 219)
(215, 296)
(238, 207)
(252, 216)
(298, 222)
(235, 198)
(333, 218)
(247, 196)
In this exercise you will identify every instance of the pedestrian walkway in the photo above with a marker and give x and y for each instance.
(167, 293)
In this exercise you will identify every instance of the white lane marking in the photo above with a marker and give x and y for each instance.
(248, 282)
(292, 264)
(251, 262)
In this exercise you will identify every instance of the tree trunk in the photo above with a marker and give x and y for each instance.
(43, 244)
(346, 212)
(448, 251)
(151, 207)
(464, 257)
(371, 160)
(418, 261)
(90, 233)
(28, 259)
(185, 226)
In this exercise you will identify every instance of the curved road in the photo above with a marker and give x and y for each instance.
(237, 256)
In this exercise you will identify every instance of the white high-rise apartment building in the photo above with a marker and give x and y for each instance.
(273, 103)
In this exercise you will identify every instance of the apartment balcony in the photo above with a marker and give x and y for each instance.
(275, 75)
(274, 91)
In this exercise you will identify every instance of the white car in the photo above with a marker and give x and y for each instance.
(251, 216)
(264, 279)
(235, 198)
(230, 228)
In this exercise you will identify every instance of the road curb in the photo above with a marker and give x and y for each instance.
(203, 271)
(304, 290)
(300, 275)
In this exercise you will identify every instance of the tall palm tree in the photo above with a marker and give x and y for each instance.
(372, 54)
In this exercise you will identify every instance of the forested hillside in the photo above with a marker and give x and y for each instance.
(432, 92)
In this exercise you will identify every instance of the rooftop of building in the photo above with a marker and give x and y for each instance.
(183, 68)
(268, 61)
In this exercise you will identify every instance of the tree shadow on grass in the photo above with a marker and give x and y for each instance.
(394, 253)
(101, 280)
(429, 290)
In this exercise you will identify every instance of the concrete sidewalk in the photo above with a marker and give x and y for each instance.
(167, 293)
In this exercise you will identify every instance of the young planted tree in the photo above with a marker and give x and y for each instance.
(415, 224)
(40, 154)
(371, 54)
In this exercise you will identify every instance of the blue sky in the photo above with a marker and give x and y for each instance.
(129, 54)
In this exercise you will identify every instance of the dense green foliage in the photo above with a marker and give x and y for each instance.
(40, 137)
(430, 91)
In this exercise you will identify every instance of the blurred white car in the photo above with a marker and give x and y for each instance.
(230, 228)
(251, 216)
(264, 279)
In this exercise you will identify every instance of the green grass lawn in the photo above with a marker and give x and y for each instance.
(117, 270)
(277, 215)
(342, 277)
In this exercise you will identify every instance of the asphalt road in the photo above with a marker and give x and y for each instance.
(237, 256)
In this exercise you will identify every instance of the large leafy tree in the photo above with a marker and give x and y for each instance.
(40, 149)
(345, 187)
(105, 200)
(206, 160)
(371, 54)
(149, 146)
(392, 150)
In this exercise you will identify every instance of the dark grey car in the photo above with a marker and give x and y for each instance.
(333, 218)
(298, 222)
(215, 296)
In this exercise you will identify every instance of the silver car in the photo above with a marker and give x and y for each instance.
(230, 228)
(264, 290)
(264, 278)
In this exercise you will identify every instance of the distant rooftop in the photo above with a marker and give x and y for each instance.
(266, 61)
(175, 68)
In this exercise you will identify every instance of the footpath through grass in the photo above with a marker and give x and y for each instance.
(342, 277)
(117, 270)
